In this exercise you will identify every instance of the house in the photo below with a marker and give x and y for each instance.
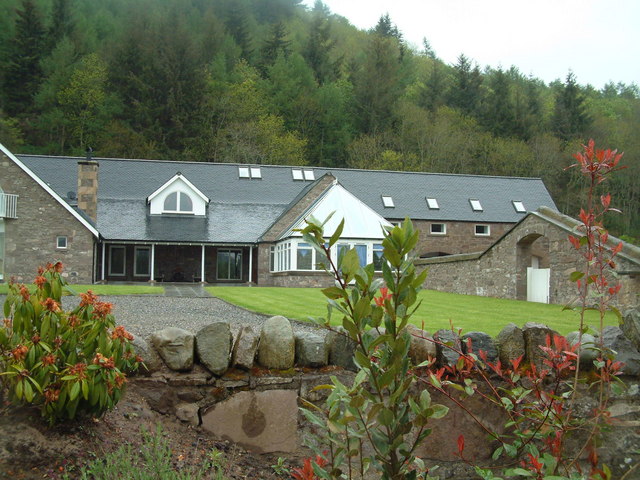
(150, 220)
(532, 261)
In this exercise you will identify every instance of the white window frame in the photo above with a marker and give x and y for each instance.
(309, 175)
(377, 247)
(443, 232)
(124, 260)
(432, 203)
(135, 262)
(243, 172)
(484, 225)
(387, 201)
(518, 205)
(255, 172)
(64, 239)
(476, 206)
(297, 174)
(179, 194)
(294, 254)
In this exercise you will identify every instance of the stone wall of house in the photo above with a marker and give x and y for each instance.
(30, 239)
(460, 237)
(501, 271)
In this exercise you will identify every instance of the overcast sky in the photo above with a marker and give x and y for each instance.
(599, 40)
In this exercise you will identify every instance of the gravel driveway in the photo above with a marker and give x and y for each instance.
(144, 314)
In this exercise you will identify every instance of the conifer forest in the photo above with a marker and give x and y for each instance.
(276, 82)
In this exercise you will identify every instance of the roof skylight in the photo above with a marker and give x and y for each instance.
(433, 203)
(387, 201)
(255, 172)
(519, 206)
(297, 174)
(308, 175)
(475, 204)
(243, 172)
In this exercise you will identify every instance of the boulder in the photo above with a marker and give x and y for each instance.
(510, 343)
(312, 349)
(151, 359)
(481, 342)
(614, 339)
(245, 348)
(175, 346)
(277, 344)
(341, 349)
(631, 326)
(535, 335)
(422, 345)
(448, 345)
(589, 350)
(188, 413)
(213, 344)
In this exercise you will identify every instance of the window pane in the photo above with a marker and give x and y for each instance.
(142, 263)
(229, 265)
(378, 257)
(303, 255)
(361, 250)
(342, 249)
(236, 266)
(387, 202)
(223, 264)
(171, 202)
(116, 263)
(186, 205)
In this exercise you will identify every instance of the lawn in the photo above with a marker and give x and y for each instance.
(106, 289)
(468, 312)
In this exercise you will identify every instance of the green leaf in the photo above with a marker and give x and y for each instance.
(75, 390)
(385, 417)
(336, 235)
(575, 276)
(333, 292)
(85, 389)
(439, 411)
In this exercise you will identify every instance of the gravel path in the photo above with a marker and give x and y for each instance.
(144, 314)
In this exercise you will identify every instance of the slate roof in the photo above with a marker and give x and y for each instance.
(242, 209)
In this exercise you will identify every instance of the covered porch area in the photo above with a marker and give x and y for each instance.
(176, 263)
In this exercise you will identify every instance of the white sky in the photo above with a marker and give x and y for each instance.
(599, 40)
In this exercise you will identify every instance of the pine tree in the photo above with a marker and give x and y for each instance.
(465, 91)
(276, 44)
(237, 24)
(570, 118)
(61, 23)
(320, 45)
(499, 114)
(23, 75)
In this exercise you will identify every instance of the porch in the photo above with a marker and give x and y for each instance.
(176, 263)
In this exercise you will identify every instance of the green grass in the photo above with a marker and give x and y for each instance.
(106, 289)
(468, 312)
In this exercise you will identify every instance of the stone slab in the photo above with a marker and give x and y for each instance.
(262, 422)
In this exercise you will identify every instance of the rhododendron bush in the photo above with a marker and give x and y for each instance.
(62, 362)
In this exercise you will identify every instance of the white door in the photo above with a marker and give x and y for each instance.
(538, 284)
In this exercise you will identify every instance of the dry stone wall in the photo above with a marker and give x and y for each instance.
(232, 388)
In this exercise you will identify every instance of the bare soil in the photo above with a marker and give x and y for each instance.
(30, 450)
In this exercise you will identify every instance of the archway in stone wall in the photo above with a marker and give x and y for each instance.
(532, 253)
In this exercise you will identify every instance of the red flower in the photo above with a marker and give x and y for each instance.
(79, 370)
(103, 361)
(51, 395)
(120, 332)
(88, 298)
(102, 309)
(40, 281)
(49, 359)
(19, 353)
(51, 305)
(24, 291)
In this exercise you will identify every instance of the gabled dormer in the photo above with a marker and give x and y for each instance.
(178, 197)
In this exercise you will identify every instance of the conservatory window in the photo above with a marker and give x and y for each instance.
(304, 257)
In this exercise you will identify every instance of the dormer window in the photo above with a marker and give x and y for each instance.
(178, 196)
(178, 202)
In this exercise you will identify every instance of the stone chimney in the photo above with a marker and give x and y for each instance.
(88, 186)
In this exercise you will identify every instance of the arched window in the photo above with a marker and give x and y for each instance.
(178, 202)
